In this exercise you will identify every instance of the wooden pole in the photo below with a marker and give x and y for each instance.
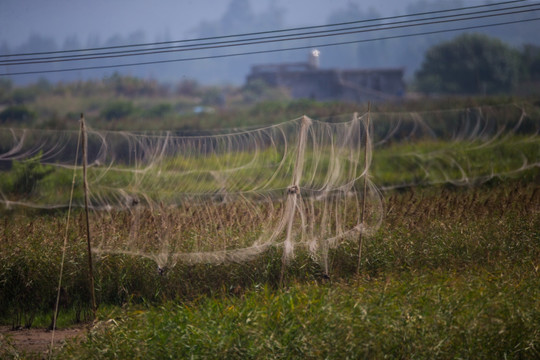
(88, 238)
(294, 191)
(362, 215)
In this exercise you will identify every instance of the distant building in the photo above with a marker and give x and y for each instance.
(307, 80)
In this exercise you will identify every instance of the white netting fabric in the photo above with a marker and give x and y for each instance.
(461, 147)
(229, 196)
(210, 199)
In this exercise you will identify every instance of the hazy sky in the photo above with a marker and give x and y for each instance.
(83, 23)
(103, 18)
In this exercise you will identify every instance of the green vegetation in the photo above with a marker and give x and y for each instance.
(398, 164)
(431, 162)
(479, 64)
(190, 107)
(452, 273)
(117, 110)
(24, 176)
(469, 64)
(17, 113)
(436, 314)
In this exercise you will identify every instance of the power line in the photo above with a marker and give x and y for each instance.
(270, 51)
(280, 38)
(265, 32)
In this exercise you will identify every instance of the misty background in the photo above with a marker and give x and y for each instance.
(33, 26)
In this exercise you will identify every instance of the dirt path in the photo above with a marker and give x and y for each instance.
(36, 341)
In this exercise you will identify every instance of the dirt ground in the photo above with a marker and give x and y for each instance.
(36, 341)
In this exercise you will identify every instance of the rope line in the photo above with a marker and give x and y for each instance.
(322, 45)
(64, 247)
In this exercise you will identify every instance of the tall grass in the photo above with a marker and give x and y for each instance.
(452, 273)
(443, 228)
(436, 314)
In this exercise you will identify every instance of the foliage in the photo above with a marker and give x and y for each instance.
(19, 96)
(132, 86)
(425, 229)
(159, 110)
(213, 97)
(257, 91)
(17, 114)
(398, 316)
(24, 176)
(469, 64)
(118, 109)
(5, 87)
(452, 272)
(188, 87)
(530, 63)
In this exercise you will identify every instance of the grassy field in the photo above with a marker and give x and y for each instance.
(453, 272)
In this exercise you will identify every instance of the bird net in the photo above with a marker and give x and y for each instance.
(230, 195)
(225, 197)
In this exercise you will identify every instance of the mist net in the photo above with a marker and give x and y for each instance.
(459, 147)
(216, 198)
(231, 195)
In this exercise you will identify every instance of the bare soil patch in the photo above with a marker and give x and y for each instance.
(37, 341)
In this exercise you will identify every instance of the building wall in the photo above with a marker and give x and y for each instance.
(322, 84)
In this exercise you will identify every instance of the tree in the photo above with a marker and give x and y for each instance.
(530, 63)
(25, 175)
(469, 64)
(17, 114)
(118, 109)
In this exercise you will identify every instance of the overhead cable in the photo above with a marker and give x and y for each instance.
(271, 39)
(265, 32)
(264, 40)
(271, 50)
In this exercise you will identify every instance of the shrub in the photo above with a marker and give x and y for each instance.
(25, 175)
(469, 64)
(118, 110)
(159, 110)
(17, 113)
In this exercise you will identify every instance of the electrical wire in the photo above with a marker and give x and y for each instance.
(280, 38)
(266, 32)
(270, 51)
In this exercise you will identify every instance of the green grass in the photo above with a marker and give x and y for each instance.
(453, 273)
(172, 179)
(435, 314)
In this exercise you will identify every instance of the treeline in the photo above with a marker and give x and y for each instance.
(129, 102)
(478, 64)
(469, 65)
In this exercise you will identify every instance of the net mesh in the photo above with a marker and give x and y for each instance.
(229, 196)
(212, 199)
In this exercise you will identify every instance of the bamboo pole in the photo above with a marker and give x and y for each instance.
(88, 237)
(294, 191)
(362, 215)
(66, 234)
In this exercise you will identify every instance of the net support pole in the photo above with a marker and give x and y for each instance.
(364, 193)
(88, 237)
(294, 192)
